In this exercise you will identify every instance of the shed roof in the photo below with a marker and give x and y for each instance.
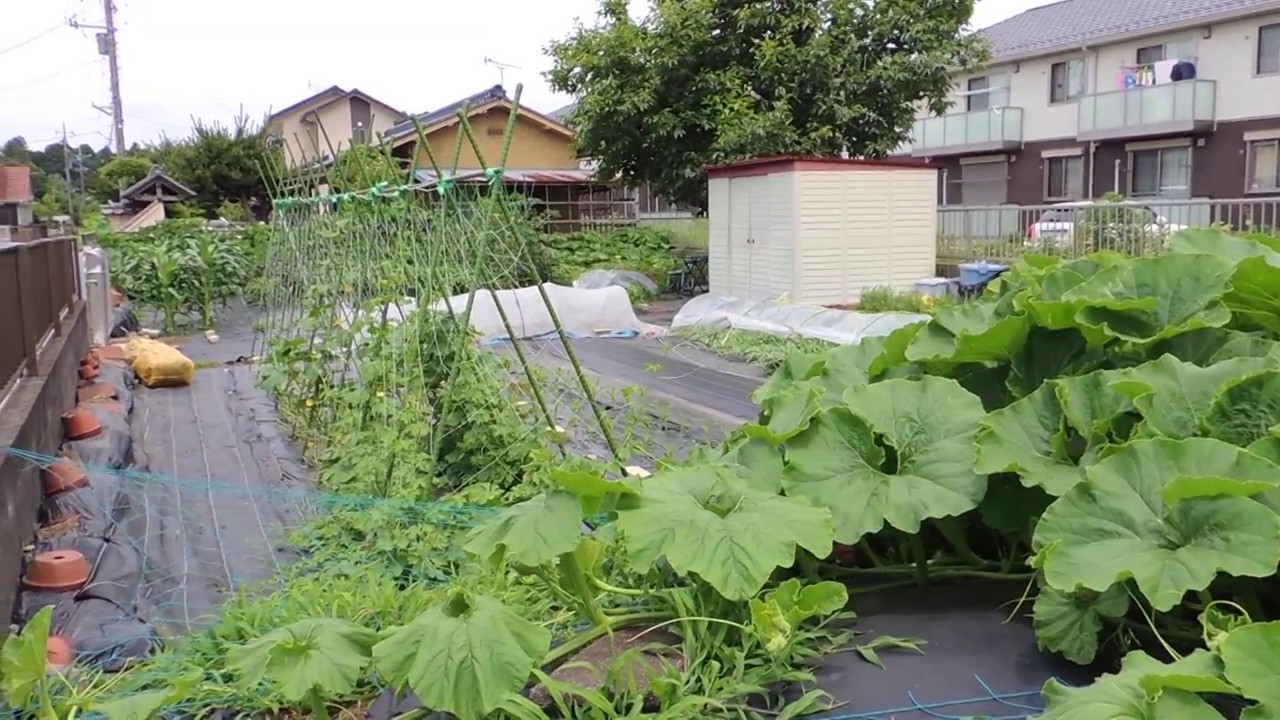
(800, 163)
(157, 176)
(1072, 24)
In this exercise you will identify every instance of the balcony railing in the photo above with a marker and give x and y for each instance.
(1148, 110)
(991, 130)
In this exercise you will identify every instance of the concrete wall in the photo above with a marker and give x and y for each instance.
(31, 419)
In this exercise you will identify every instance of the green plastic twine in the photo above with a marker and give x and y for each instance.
(444, 186)
(493, 175)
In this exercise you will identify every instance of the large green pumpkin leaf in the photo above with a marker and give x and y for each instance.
(930, 423)
(1050, 354)
(1121, 696)
(1201, 671)
(1206, 346)
(327, 656)
(1255, 293)
(1090, 404)
(1175, 396)
(465, 656)
(788, 411)
(1028, 438)
(531, 533)
(705, 520)
(1251, 662)
(1217, 243)
(1117, 524)
(1149, 299)
(970, 332)
(796, 367)
(1246, 409)
(756, 461)
(1069, 623)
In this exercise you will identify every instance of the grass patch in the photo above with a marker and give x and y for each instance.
(762, 349)
(685, 233)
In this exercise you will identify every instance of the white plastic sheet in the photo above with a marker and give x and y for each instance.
(582, 312)
(844, 327)
(593, 279)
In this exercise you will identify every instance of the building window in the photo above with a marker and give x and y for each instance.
(1066, 81)
(359, 135)
(1150, 55)
(1268, 60)
(1064, 178)
(1264, 166)
(978, 97)
(1160, 173)
(1184, 49)
(984, 184)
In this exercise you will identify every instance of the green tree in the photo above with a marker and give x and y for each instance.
(707, 81)
(119, 173)
(221, 164)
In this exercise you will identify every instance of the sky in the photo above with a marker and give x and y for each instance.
(185, 59)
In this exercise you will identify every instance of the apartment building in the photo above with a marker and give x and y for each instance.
(1148, 98)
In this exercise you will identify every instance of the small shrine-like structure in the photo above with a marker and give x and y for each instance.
(142, 204)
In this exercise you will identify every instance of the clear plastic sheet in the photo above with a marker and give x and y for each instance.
(843, 327)
(594, 279)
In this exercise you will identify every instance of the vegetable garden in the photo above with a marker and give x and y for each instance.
(1100, 435)
(183, 269)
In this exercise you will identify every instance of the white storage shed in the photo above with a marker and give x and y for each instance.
(820, 230)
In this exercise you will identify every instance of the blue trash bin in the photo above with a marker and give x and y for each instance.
(979, 273)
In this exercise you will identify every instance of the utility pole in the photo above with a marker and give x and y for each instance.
(113, 65)
(66, 172)
(107, 46)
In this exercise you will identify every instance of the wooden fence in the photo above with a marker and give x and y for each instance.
(37, 286)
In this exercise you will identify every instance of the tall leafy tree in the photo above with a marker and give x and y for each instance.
(222, 164)
(119, 173)
(707, 81)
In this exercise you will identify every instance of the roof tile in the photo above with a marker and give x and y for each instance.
(1080, 22)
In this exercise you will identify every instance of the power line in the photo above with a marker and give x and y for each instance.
(48, 76)
(31, 39)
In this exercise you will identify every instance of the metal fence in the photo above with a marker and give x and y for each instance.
(1006, 232)
(37, 286)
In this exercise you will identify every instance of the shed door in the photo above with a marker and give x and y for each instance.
(760, 273)
(740, 229)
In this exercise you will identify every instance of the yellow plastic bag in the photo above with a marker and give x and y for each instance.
(159, 365)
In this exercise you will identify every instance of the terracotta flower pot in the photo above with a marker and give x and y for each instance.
(59, 653)
(88, 373)
(96, 392)
(63, 475)
(57, 571)
(80, 424)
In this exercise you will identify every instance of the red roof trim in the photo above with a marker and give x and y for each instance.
(790, 163)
